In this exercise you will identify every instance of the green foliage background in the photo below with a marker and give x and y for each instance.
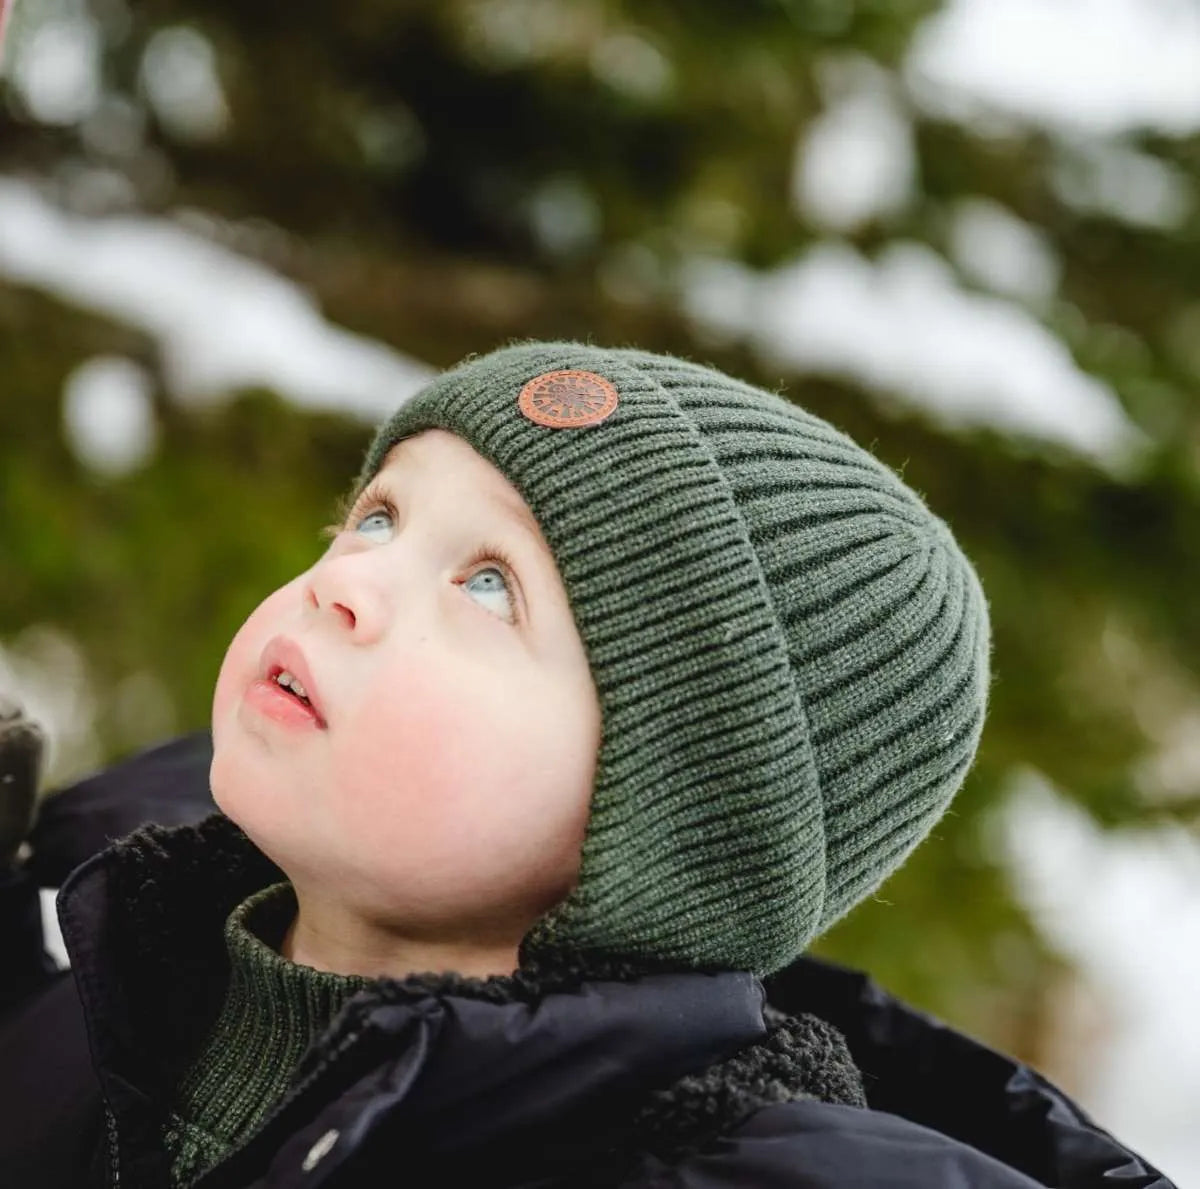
(393, 158)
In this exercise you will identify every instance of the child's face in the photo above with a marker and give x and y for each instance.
(446, 793)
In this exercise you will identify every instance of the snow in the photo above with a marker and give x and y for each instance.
(179, 76)
(1093, 67)
(108, 414)
(903, 326)
(855, 162)
(1002, 252)
(1126, 908)
(1113, 179)
(57, 72)
(222, 320)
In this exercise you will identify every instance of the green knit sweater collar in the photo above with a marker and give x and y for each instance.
(273, 1010)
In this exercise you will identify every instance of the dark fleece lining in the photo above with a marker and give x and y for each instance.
(802, 1057)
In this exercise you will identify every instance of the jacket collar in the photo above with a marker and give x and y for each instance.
(464, 1060)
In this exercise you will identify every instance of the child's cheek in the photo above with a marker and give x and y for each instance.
(239, 666)
(423, 744)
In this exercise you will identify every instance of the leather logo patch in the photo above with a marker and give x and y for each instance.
(568, 399)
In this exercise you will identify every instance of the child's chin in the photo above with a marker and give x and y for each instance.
(239, 796)
(269, 837)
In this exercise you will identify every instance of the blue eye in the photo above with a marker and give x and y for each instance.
(365, 522)
(373, 504)
(495, 582)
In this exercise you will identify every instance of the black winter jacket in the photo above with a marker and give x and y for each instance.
(564, 1075)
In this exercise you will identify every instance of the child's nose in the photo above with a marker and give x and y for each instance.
(332, 590)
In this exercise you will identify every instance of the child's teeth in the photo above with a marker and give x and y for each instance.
(285, 679)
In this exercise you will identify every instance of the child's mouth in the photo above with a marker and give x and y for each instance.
(284, 674)
(288, 683)
(282, 704)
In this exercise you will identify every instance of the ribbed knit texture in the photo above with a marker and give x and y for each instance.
(273, 1010)
(790, 649)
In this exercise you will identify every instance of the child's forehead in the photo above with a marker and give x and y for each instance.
(437, 447)
(438, 454)
(434, 454)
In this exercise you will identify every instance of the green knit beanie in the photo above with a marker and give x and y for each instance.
(790, 650)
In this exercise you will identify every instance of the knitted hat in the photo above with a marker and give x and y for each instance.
(790, 650)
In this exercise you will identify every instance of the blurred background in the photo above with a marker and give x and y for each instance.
(233, 236)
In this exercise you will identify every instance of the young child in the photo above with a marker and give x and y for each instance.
(619, 682)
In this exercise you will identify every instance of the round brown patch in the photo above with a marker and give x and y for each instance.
(568, 399)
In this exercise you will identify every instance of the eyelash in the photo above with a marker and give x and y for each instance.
(376, 499)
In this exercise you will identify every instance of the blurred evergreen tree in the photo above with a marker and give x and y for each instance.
(447, 176)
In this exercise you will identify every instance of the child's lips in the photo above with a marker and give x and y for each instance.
(270, 698)
(282, 653)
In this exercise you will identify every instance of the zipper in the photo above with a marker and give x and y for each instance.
(219, 1174)
(228, 1171)
(110, 1140)
(112, 1147)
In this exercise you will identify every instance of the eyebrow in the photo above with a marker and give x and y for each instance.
(519, 516)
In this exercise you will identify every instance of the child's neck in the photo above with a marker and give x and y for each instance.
(326, 937)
